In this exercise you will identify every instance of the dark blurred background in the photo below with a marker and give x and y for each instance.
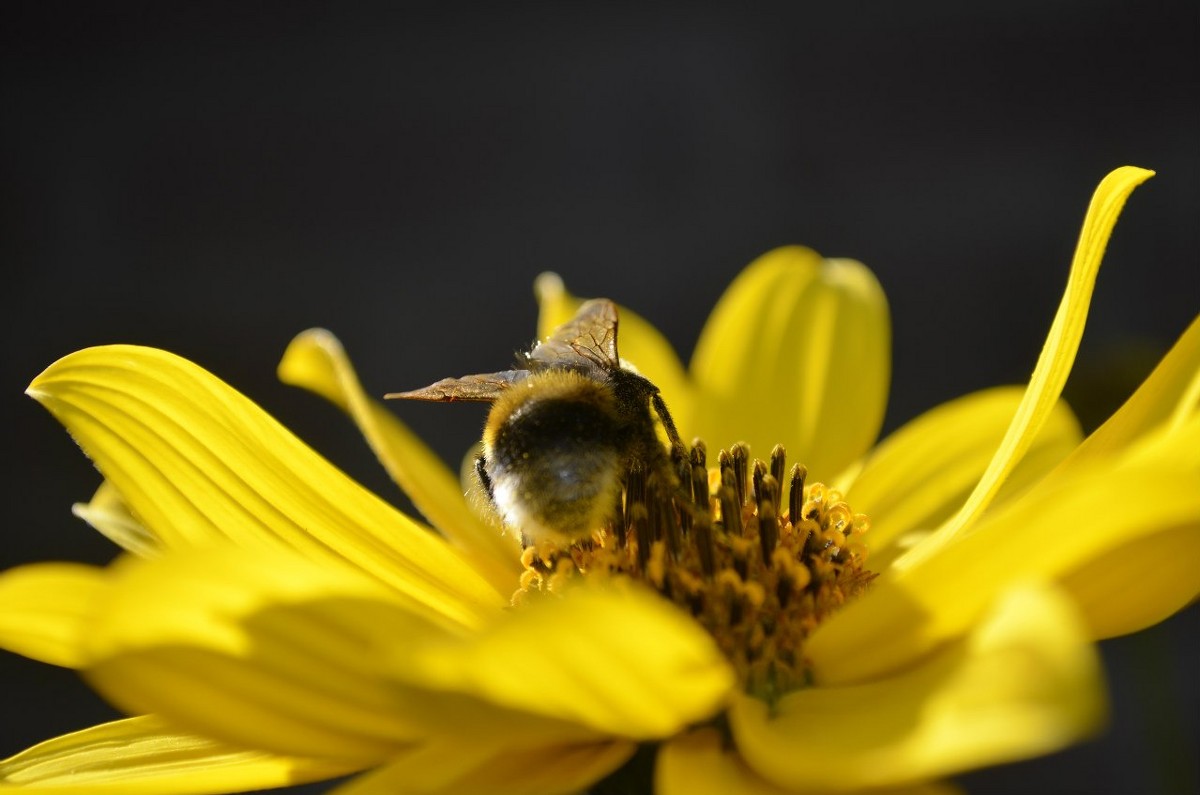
(214, 178)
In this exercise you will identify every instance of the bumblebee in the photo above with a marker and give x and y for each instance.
(567, 427)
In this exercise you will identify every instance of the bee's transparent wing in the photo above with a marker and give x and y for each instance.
(587, 340)
(484, 386)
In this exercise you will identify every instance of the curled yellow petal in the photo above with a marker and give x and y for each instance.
(638, 342)
(145, 756)
(198, 462)
(798, 352)
(45, 609)
(108, 514)
(315, 360)
(451, 767)
(1025, 682)
(621, 661)
(1054, 363)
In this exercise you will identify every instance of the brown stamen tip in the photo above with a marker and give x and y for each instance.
(739, 454)
(796, 493)
(756, 480)
(699, 455)
(778, 462)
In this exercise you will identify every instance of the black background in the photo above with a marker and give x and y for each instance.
(213, 179)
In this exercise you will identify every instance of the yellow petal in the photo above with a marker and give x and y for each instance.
(638, 342)
(1025, 682)
(267, 650)
(1054, 363)
(620, 660)
(145, 756)
(277, 652)
(197, 461)
(1169, 395)
(1057, 528)
(451, 767)
(699, 763)
(316, 361)
(917, 476)
(798, 352)
(1140, 582)
(108, 514)
(44, 608)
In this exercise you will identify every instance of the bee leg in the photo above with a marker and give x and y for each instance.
(660, 408)
(484, 480)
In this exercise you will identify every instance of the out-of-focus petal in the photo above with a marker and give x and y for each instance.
(199, 462)
(620, 660)
(921, 473)
(145, 756)
(1025, 682)
(638, 342)
(315, 360)
(1054, 363)
(451, 767)
(699, 763)
(1169, 395)
(109, 515)
(1057, 528)
(798, 352)
(1137, 584)
(45, 608)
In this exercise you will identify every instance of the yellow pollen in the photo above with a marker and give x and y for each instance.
(759, 578)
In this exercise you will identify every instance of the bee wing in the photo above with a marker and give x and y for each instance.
(484, 386)
(587, 340)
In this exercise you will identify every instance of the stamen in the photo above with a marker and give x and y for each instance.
(796, 492)
(731, 506)
(760, 472)
(778, 461)
(739, 455)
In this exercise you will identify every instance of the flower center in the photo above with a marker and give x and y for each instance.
(717, 543)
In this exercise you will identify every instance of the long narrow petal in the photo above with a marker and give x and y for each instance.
(619, 660)
(798, 352)
(45, 608)
(196, 461)
(451, 767)
(638, 342)
(1024, 683)
(316, 361)
(917, 476)
(1056, 529)
(699, 763)
(145, 756)
(1054, 363)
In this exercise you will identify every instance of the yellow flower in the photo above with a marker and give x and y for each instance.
(277, 623)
